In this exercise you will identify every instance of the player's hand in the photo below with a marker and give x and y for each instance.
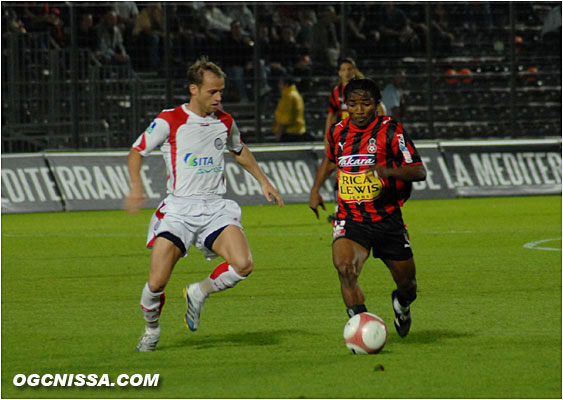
(380, 171)
(316, 200)
(272, 194)
(134, 201)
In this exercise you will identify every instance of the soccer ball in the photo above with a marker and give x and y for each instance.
(365, 333)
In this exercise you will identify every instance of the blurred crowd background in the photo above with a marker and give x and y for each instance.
(92, 75)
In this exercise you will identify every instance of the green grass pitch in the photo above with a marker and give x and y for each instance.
(486, 324)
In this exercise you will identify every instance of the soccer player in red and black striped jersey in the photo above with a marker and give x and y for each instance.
(376, 164)
(337, 107)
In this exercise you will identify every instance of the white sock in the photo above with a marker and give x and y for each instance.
(198, 292)
(151, 304)
(223, 277)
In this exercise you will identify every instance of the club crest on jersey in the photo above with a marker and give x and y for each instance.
(219, 144)
(372, 147)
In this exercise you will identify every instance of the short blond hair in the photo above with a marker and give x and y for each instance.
(196, 71)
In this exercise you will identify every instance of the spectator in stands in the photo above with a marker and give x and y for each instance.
(216, 25)
(265, 41)
(393, 97)
(289, 117)
(265, 45)
(307, 19)
(11, 21)
(216, 19)
(237, 59)
(147, 36)
(87, 35)
(110, 48)
(127, 12)
(442, 38)
(416, 13)
(287, 14)
(303, 67)
(362, 34)
(326, 47)
(43, 17)
(287, 57)
(397, 35)
(242, 13)
(188, 31)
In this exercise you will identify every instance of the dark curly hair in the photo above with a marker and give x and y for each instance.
(363, 84)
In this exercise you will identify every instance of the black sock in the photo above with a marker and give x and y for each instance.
(405, 302)
(356, 309)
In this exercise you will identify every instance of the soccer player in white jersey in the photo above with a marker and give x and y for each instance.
(193, 139)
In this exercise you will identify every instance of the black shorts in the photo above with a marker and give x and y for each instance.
(387, 239)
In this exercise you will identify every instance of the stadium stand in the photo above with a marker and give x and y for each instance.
(498, 75)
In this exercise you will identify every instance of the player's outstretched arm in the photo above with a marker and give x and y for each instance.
(324, 171)
(248, 162)
(136, 198)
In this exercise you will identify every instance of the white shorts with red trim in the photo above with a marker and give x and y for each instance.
(192, 220)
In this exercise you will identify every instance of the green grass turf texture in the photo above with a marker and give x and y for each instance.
(487, 322)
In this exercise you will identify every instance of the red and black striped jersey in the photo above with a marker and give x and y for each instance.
(362, 196)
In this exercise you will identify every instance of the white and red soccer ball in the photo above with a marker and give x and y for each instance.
(365, 333)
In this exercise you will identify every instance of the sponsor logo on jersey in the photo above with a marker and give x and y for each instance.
(403, 147)
(203, 164)
(356, 160)
(359, 187)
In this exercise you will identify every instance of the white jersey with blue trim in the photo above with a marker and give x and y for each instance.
(193, 148)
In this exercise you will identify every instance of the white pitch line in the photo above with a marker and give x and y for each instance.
(534, 245)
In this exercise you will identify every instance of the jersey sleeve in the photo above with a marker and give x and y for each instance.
(154, 136)
(330, 144)
(234, 140)
(404, 148)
